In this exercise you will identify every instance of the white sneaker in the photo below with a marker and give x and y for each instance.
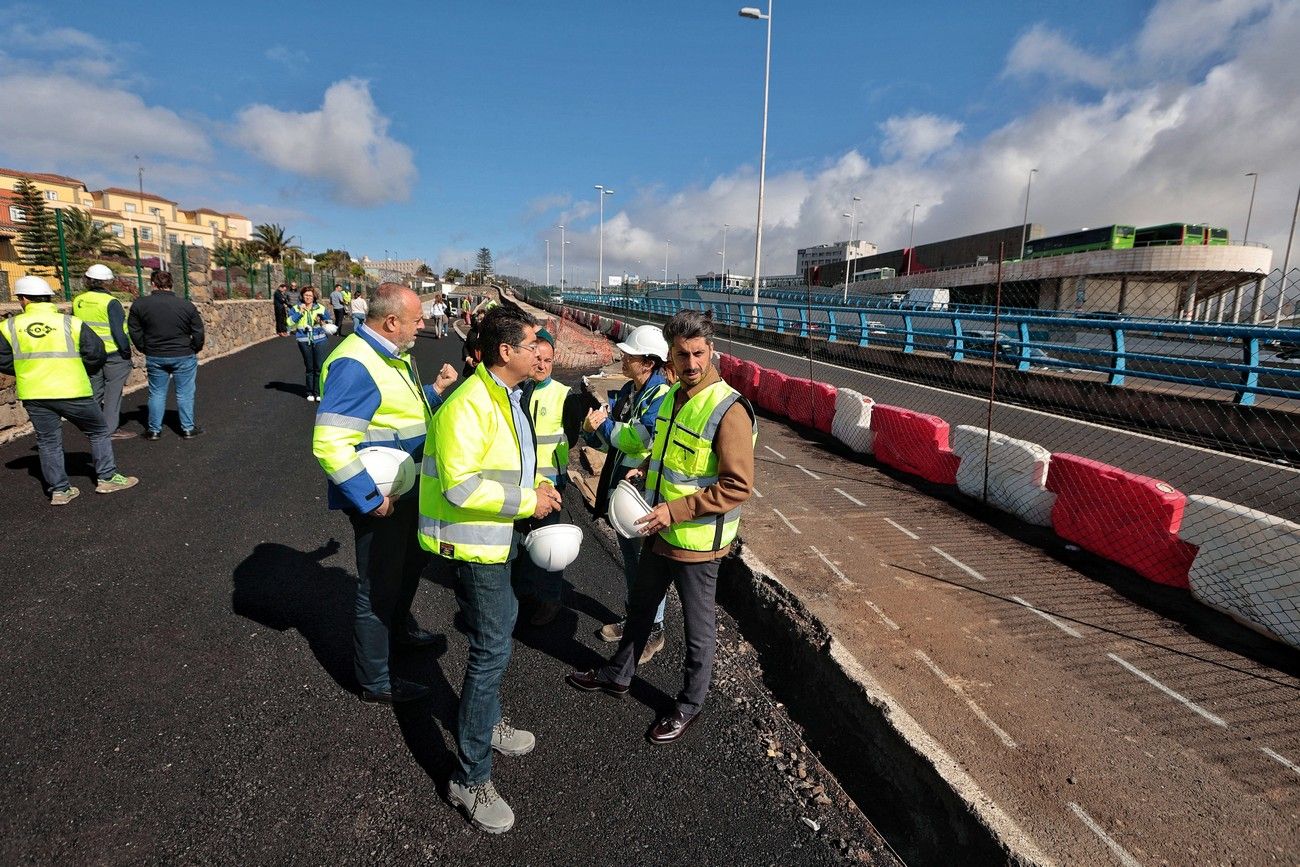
(483, 806)
(311, 398)
(510, 741)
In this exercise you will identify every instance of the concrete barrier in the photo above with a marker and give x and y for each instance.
(852, 422)
(1247, 565)
(1017, 473)
(914, 442)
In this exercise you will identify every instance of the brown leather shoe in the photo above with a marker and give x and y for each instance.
(670, 727)
(590, 681)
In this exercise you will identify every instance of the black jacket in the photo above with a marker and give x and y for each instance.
(165, 326)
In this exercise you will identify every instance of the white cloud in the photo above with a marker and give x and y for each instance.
(345, 143)
(918, 136)
(291, 58)
(1043, 51)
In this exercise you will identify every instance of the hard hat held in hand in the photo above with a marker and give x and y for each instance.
(626, 505)
(33, 287)
(99, 272)
(393, 470)
(646, 340)
(330, 328)
(553, 548)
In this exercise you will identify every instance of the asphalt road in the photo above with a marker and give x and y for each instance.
(179, 683)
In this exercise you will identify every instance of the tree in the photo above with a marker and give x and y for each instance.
(274, 242)
(333, 260)
(87, 243)
(451, 275)
(357, 271)
(483, 262)
(38, 240)
(424, 271)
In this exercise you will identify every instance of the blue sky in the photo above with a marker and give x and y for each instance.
(431, 129)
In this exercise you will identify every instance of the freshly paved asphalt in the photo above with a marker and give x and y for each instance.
(179, 684)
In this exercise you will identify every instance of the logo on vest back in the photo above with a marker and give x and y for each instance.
(446, 549)
(38, 330)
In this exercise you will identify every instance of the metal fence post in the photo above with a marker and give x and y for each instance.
(139, 275)
(63, 255)
(185, 271)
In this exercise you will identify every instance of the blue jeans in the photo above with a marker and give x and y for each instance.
(489, 608)
(314, 353)
(357, 319)
(47, 418)
(161, 370)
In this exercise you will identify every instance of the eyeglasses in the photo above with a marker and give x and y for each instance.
(530, 347)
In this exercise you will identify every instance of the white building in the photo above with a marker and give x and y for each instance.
(826, 254)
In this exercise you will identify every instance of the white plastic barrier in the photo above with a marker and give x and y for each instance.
(852, 422)
(1248, 565)
(1017, 473)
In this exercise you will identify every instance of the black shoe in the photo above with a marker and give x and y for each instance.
(152, 435)
(416, 638)
(670, 727)
(591, 681)
(398, 692)
(191, 433)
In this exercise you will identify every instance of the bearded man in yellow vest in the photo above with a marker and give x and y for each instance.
(52, 356)
(700, 471)
(481, 475)
(107, 318)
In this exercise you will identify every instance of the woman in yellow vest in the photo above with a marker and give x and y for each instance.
(307, 321)
(701, 470)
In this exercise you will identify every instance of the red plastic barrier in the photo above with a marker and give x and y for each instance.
(747, 376)
(771, 390)
(1131, 519)
(727, 367)
(616, 331)
(823, 406)
(798, 400)
(594, 323)
(915, 443)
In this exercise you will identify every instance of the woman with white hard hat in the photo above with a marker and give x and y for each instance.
(312, 323)
(626, 433)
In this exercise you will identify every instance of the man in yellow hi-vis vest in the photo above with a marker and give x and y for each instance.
(52, 355)
(106, 317)
(479, 476)
(701, 470)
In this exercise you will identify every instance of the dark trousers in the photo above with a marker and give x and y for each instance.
(338, 317)
(697, 585)
(314, 353)
(107, 384)
(389, 563)
(281, 319)
(47, 417)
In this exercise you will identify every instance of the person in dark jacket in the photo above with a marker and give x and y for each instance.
(168, 331)
(280, 302)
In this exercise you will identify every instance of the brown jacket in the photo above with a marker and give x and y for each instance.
(734, 446)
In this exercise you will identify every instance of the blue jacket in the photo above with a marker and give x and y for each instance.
(309, 325)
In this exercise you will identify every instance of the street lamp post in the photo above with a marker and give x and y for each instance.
(911, 236)
(1024, 224)
(666, 243)
(1254, 176)
(563, 244)
(756, 14)
(311, 270)
(548, 263)
(853, 216)
(600, 261)
(723, 253)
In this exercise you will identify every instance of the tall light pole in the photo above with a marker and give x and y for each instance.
(563, 244)
(1286, 263)
(911, 236)
(757, 14)
(723, 253)
(600, 262)
(666, 243)
(548, 263)
(1249, 210)
(1024, 224)
(853, 216)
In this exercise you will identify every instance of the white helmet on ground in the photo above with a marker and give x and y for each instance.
(393, 470)
(554, 547)
(99, 272)
(33, 287)
(646, 340)
(626, 505)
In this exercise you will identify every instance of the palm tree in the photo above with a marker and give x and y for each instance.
(86, 241)
(273, 241)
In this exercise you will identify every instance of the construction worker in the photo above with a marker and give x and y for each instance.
(701, 470)
(627, 437)
(480, 476)
(52, 355)
(107, 318)
(372, 396)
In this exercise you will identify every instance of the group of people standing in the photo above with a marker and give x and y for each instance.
(492, 457)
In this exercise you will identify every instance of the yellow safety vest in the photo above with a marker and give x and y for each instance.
(547, 411)
(471, 490)
(47, 354)
(682, 462)
(92, 309)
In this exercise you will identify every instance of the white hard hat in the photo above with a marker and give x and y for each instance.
(99, 272)
(554, 547)
(646, 340)
(330, 328)
(626, 505)
(393, 470)
(33, 286)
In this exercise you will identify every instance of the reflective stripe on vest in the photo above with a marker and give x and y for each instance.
(683, 462)
(47, 354)
(547, 411)
(92, 309)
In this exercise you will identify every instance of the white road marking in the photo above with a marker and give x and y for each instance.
(1064, 627)
(809, 472)
(959, 564)
(1218, 721)
(1277, 757)
(850, 497)
(831, 566)
(774, 451)
(792, 527)
(976, 709)
(891, 624)
(900, 528)
(1120, 852)
(757, 493)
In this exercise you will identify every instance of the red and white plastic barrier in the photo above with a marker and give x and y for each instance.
(1017, 473)
(852, 422)
(1247, 565)
(798, 400)
(772, 390)
(915, 443)
(1122, 516)
(747, 378)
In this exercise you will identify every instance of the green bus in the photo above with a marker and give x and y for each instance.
(1181, 235)
(1083, 241)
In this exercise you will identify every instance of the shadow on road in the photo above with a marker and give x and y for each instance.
(288, 388)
